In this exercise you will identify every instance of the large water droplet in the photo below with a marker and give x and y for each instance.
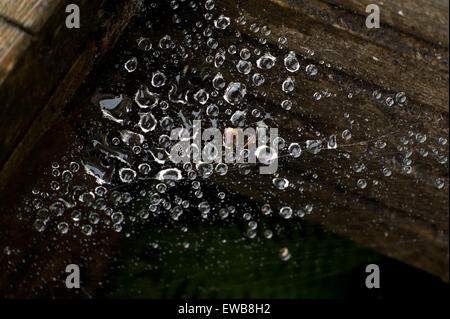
(235, 93)
(173, 174)
(291, 63)
(267, 61)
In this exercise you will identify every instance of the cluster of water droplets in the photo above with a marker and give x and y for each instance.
(198, 74)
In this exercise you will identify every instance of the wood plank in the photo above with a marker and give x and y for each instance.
(70, 56)
(417, 208)
(13, 43)
(344, 42)
(31, 14)
(63, 93)
(426, 19)
(36, 83)
(404, 217)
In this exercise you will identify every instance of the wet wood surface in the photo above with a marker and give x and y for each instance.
(37, 40)
(409, 53)
(42, 64)
(390, 59)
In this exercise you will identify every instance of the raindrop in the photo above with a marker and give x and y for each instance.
(295, 150)
(257, 79)
(311, 69)
(222, 22)
(286, 212)
(291, 63)
(172, 174)
(158, 79)
(127, 175)
(267, 61)
(288, 85)
(235, 93)
(147, 122)
(280, 183)
(131, 64)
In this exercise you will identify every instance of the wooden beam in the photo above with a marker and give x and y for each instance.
(410, 220)
(39, 79)
(404, 216)
(13, 43)
(30, 15)
(27, 60)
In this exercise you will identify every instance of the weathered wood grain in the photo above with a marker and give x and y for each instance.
(33, 96)
(13, 43)
(409, 212)
(343, 41)
(30, 15)
(425, 19)
(29, 82)
(401, 210)
(410, 221)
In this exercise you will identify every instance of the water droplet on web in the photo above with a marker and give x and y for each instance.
(257, 79)
(144, 44)
(286, 105)
(244, 67)
(87, 230)
(158, 79)
(235, 93)
(280, 183)
(285, 254)
(146, 99)
(221, 168)
(295, 150)
(222, 22)
(127, 175)
(288, 85)
(63, 227)
(291, 63)
(346, 135)
(147, 122)
(267, 61)
(245, 54)
(362, 183)
(268, 234)
(286, 212)
(7, 251)
(313, 146)
(173, 174)
(332, 143)
(266, 209)
(311, 69)
(266, 155)
(131, 64)
(218, 82)
(389, 101)
(201, 96)
(440, 183)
